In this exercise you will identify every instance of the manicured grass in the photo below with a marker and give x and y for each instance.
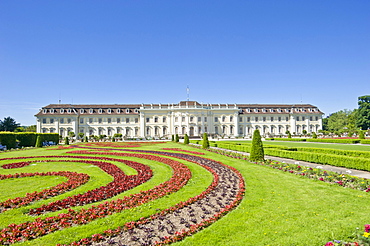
(278, 208)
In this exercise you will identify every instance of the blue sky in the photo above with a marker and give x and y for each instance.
(103, 52)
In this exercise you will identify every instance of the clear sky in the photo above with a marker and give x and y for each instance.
(129, 52)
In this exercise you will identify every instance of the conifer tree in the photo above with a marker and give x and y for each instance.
(314, 135)
(173, 138)
(86, 139)
(66, 141)
(361, 135)
(257, 153)
(205, 142)
(177, 138)
(38, 142)
(186, 139)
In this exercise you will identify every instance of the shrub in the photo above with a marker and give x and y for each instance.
(186, 139)
(86, 139)
(205, 143)
(257, 152)
(172, 138)
(314, 135)
(66, 141)
(361, 135)
(38, 142)
(177, 138)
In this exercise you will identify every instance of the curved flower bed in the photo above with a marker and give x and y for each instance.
(42, 226)
(74, 180)
(185, 218)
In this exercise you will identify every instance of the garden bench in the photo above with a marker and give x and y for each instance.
(2, 147)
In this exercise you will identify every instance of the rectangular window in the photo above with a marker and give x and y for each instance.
(90, 120)
(279, 119)
(81, 120)
(69, 121)
(199, 119)
(264, 118)
(248, 119)
(240, 119)
(164, 119)
(223, 118)
(118, 120)
(272, 119)
(256, 119)
(216, 119)
(191, 119)
(286, 118)
(61, 121)
(127, 120)
(156, 119)
(100, 120)
(44, 121)
(183, 119)
(136, 120)
(317, 118)
(310, 118)
(147, 120)
(176, 119)
(109, 120)
(205, 120)
(297, 118)
(51, 121)
(303, 118)
(231, 119)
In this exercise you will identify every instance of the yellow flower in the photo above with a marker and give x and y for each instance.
(366, 234)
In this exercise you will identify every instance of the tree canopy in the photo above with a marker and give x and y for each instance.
(363, 112)
(8, 124)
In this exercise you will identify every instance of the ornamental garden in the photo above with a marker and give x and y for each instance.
(159, 193)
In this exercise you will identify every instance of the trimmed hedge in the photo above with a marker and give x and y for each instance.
(320, 140)
(288, 139)
(359, 163)
(365, 141)
(26, 139)
(8, 139)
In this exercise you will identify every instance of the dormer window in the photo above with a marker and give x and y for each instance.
(69, 111)
(62, 110)
(287, 110)
(118, 110)
(81, 111)
(255, 110)
(271, 110)
(45, 111)
(91, 111)
(127, 110)
(52, 111)
(248, 110)
(100, 111)
(136, 110)
(109, 111)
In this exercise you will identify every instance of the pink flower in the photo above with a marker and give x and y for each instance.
(367, 228)
(329, 244)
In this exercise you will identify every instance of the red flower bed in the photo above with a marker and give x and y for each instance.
(182, 150)
(74, 180)
(42, 226)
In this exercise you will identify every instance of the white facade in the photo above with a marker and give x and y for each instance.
(192, 118)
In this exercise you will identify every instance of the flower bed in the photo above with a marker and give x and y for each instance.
(74, 180)
(182, 150)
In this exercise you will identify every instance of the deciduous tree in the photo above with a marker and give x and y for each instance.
(363, 112)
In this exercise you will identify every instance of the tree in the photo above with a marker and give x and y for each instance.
(177, 138)
(8, 124)
(31, 128)
(81, 136)
(172, 138)
(257, 152)
(205, 142)
(361, 135)
(186, 139)
(342, 121)
(86, 139)
(314, 135)
(363, 112)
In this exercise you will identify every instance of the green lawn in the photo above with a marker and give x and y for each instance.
(278, 208)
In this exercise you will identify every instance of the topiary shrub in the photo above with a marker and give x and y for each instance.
(177, 138)
(86, 139)
(66, 141)
(38, 142)
(205, 142)
(361, 135)
(186, 139)
(289, 135)
(314, 135)
(257, 152)
(172, 138)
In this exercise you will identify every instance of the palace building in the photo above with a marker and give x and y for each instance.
(186, 117)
